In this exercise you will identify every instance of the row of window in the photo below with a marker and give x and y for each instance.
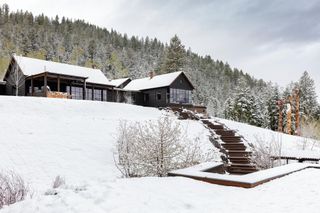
(96, 94)
(180, 96)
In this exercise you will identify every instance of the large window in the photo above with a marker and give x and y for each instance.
(89, 94)
(180, 96)
(97, 95)
(104, 95)
(76, 92)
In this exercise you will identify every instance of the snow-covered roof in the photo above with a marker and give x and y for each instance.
(156, 81)
(118, 82)
(32, 66)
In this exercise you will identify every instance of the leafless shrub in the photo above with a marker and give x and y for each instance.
(58, 182)
(12, 189)
(310, 129)
(153, 148)
(263, 151)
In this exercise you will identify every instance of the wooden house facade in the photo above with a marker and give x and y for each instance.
(167, 90)
(33, 77)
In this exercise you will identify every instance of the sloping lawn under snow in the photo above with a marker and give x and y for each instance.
(298, 192)
(289, 143)
(42, 138)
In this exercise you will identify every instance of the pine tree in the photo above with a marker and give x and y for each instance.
(175, 56)
(308, 96)
(273, 109)
(92, 49)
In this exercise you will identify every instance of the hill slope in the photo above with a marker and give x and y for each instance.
(42, 138)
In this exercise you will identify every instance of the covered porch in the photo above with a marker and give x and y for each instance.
(54, 85)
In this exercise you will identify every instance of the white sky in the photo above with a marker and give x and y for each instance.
(272, 39)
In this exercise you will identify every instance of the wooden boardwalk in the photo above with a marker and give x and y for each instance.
(200, 172)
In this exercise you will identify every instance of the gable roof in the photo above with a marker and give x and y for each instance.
(118, 82)
(157, 81)
(32, 66)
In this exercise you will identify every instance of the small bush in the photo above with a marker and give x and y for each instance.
(58, 182)
(12, 189)
(263, 151)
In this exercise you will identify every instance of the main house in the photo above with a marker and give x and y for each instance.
(34, 77)
(172, 89)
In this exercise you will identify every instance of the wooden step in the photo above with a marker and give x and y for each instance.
(225, 132)
(239, 153)
(231, 137)
(215, 126)
(239, 160)
(234, 146)
(232, 140)
(243, 165)
(242, 168)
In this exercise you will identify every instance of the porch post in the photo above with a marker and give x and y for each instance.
(58, 83)
(84, 90)
(92, 92)
(45, 84)
(32, 87)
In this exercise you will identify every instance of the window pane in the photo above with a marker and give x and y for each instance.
(180, 96)
(104, 95)
(77, 93)
(97, 95)
(89, 94)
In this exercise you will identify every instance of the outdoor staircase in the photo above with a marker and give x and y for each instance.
(238, 156)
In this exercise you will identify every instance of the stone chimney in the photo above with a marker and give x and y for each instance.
(151, 74)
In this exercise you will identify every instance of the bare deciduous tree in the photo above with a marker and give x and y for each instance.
(154, 148)
(264, 149)
(311, 131)
(12, 189)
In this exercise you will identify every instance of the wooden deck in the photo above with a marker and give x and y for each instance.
(245, 181)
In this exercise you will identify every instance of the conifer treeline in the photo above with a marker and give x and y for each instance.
(218, 86)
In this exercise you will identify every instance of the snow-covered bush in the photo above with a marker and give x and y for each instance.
(12, 189)
(153, 148)
(310, 129)
(58, 182)
(263, 151)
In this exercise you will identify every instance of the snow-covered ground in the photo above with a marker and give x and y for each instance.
(289, 143)
(42, 138)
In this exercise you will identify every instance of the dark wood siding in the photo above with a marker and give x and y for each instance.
(2, 89)
(110, 95)
(151, 97)
(182, 83)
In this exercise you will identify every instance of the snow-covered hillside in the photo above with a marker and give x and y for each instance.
(289, 143)
(42, 138)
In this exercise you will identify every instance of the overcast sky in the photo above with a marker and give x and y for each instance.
(272, 39)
